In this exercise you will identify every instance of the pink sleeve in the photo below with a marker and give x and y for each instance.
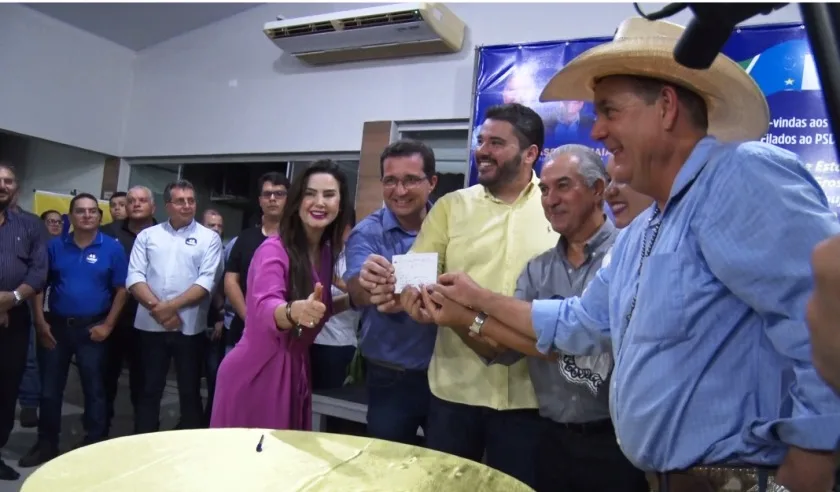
(267, 286)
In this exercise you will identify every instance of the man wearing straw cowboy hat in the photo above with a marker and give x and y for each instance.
(712, 364)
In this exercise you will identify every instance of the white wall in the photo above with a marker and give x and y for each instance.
(58, 168)
(60, 83)
(226, 89)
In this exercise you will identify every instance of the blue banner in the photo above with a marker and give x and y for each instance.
(778, 57)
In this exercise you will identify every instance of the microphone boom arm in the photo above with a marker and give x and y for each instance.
(706, 34)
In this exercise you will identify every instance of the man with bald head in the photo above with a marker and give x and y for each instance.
(122, 344)
(213, 220)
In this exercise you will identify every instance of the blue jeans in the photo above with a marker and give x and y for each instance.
(30, 385)
(508, 440)
(398, 403)
(72, 338)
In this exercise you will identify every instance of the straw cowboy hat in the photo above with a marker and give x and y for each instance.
(737, 108)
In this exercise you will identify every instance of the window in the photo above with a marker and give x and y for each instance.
(451, 149)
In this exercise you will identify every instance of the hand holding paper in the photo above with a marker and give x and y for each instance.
(414, 270)
(375, 271)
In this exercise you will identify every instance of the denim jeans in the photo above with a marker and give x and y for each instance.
(398, 403)
(30, 385)
(72, 339)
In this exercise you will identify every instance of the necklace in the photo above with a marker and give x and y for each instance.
(651, 233)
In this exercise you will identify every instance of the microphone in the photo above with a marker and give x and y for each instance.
(711, 27)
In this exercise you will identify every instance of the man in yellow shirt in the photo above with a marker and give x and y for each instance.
(488, 231)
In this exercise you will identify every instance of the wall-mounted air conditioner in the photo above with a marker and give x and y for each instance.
(387, 31)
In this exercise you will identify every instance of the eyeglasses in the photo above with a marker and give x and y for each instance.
(268, 195)
(408, 182)
(52, 222)
(182, 202)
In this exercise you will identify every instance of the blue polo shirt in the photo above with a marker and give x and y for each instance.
(82, 281)
(392, 338)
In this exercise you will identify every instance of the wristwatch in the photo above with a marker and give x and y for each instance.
(18, 297)
(478, 323)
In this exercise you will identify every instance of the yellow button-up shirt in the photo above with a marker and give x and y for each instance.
(491, 241)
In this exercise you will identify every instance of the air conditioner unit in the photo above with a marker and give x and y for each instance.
(387, 31)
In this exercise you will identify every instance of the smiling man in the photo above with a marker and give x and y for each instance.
(578, 449)
(490, 231)
(703, 303)
(397, 349)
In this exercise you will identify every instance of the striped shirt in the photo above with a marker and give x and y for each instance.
(713, 365)
(23, 254)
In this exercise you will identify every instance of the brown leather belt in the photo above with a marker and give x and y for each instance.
(714, 478)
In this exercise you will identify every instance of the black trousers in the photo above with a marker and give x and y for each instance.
(14, 345)
(585, 457)
(122, 350)
(156, 351)
(507, 439)
(214, 352)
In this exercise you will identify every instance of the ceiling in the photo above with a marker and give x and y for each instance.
(139, 25)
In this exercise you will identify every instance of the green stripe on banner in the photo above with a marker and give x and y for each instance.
(751, 63)
(810, 77)
(746, 63)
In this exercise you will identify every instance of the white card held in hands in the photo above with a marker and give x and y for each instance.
(414, 270)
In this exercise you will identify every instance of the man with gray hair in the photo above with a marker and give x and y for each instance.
(578, 449)
(122, 344)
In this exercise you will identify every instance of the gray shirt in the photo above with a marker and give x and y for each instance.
(575, 388)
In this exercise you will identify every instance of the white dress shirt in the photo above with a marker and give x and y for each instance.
(340, 329)
(170, 261)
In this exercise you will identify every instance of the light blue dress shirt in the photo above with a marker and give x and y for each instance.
(393, 338)
(714, 365)
(170, 261)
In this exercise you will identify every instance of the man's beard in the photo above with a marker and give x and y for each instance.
(506, 173)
